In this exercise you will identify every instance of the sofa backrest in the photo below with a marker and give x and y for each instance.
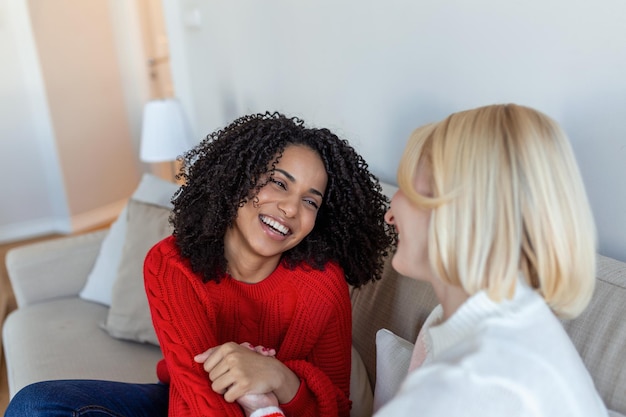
(401, 304)
(599, 333)
(394, 302)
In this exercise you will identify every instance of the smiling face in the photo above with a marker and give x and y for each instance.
(412, 223)
(283, 212)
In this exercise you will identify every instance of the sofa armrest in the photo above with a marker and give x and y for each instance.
(54, 268)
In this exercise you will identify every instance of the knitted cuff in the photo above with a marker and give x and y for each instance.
(268, 412)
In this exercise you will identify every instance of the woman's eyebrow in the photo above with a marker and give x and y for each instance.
(292, 179)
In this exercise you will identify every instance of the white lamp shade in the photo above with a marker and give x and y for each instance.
(165, 131)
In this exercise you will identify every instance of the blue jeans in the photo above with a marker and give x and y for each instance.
(89, 398)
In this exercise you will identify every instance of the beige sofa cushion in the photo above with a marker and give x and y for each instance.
(60, 339)
(360, 389)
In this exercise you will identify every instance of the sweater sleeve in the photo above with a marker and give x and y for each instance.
(184, 326)
(325, 374)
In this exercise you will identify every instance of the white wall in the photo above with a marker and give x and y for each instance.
(372, 71)
(31, 186)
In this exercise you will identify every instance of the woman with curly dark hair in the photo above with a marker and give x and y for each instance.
(290, 209)
(249, 296)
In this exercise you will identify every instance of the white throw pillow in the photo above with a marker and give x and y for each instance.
(393, 356)
(99, 285)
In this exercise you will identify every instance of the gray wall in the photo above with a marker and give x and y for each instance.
(374, 70)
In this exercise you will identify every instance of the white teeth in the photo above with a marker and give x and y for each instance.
(275, 225)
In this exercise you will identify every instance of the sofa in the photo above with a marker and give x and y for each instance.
(82, 313)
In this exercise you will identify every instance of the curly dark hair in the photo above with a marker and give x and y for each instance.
(228, 168)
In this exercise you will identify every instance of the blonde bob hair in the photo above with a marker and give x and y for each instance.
(507, 199)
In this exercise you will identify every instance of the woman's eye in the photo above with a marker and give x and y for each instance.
(312, 203)
(279, 183)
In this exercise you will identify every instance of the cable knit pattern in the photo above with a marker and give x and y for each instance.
(304, 314)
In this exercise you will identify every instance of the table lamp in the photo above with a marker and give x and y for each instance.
(165, 133)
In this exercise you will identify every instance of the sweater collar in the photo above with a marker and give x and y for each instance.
(262, 288)
(473, 314)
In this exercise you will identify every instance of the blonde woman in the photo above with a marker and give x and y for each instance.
(491, 210)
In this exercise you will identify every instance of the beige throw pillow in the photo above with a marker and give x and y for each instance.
(129, 316)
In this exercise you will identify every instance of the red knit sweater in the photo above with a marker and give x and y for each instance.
(304, 314)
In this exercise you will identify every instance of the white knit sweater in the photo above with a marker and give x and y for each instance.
(498, 359)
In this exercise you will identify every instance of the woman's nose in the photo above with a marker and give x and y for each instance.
(389, 219)
(389, 216)
(288, 207)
